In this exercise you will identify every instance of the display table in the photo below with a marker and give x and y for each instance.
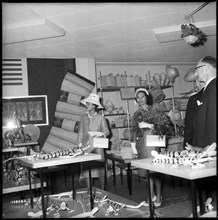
(119, 159)
(9, 187)
(181, 171)
(62, 160)
(79, 206)
(20, 146)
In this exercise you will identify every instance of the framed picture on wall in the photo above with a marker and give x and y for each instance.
(29, 109)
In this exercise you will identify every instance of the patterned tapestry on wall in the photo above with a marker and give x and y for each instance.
(64, 131)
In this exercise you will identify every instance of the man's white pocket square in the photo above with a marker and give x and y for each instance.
(199, 103)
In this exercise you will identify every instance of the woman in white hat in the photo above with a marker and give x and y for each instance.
(144, 101)
(92, 121)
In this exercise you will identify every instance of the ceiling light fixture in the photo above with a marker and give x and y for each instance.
(190, 33)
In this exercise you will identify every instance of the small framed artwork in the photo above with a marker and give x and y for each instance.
(29, 109)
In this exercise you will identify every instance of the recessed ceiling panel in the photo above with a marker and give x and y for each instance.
(107, 15)
(56, 9)
(107, 31)
(42, 29)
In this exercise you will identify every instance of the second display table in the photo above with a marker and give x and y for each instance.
(181, 171)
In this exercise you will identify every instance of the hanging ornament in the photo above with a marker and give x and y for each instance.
(171, 73)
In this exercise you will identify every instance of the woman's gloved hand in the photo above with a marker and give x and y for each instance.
(145, 125)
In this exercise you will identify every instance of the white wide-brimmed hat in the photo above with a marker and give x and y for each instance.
(175, 116)
(92, 98)
(141, 90)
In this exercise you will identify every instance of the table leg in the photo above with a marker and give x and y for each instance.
(73, 187)
(114, 172)
(28, 150)
(42, 193)
(30, 187)
(90, 186)
(129, 179)
(105, 175)
(193, 197)
(149, 196)
(201, 203)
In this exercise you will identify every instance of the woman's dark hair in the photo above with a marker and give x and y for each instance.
(96, 107)
(149, 98)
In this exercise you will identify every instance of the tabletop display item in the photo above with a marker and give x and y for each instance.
(72, 152)
(14, 174)
(191, 156)
(126, 149)
(33, 131)
(63, 206)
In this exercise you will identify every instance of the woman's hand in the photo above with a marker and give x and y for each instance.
(145, 125)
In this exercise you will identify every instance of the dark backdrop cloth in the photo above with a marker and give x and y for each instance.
(45, 77)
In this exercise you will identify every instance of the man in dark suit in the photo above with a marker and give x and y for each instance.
(205, 120)
(205, 117)
(190, 112)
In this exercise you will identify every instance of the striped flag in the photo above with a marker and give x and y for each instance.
(12, 72)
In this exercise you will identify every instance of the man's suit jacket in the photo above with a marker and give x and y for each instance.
(205, 118)
(189, 117)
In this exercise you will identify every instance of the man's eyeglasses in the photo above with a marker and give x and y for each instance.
(198, 67)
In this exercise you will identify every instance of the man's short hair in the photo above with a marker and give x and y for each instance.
(210, 60)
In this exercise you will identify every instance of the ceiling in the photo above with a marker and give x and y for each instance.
(108, 32)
